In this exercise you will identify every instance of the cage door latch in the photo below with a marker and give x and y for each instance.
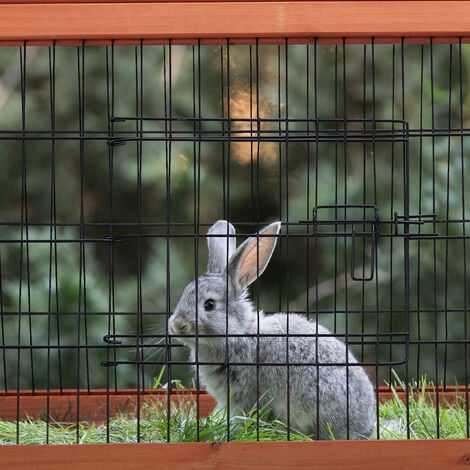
(360, 223)
(421, 221)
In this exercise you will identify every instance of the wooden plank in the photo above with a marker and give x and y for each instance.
(215, 20)
(97, 405)
(447, 396)
(379, 455)
(92, 406)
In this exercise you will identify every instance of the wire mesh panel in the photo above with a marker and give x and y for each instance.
(116, 161)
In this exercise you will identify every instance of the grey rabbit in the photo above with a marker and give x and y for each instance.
(242, 354)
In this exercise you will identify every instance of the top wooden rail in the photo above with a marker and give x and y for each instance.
(210, 21)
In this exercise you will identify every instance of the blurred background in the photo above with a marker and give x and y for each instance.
(114, 161)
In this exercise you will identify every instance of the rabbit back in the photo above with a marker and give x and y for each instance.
(322, 397)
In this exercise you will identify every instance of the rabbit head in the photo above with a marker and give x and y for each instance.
(216, 303)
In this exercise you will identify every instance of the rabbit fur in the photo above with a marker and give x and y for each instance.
(228, 337)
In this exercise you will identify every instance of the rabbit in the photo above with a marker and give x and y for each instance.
(244, 357)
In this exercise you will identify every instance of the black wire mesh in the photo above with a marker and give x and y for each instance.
(117, 159)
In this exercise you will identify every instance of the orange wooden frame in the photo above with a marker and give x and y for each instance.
(98, 22)
(351, 455)
(92, 406)
(99, 404)
(210, 21)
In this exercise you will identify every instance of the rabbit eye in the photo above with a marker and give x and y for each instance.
(209, 305)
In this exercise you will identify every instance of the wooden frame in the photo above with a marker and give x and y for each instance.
(187, 21)
(97, 405)
(69, 22)
(351, 455)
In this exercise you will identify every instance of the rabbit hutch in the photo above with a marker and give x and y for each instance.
(331, 142)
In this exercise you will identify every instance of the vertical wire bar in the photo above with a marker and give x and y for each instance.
(226, 212)
(364, 187)
(254, 160)
(167, 121)
(374, 168)
(391, 215)
(111, 330)
(364, 177)
(308, 182)
(224, 109)
(406, 184)
(168, 99)
(85, 296)
(447, 218)
(378, 325)
(375, 252)
(308, 113)
(167, 262)
(316, 246)
(364, 181)
(82, 282)
(110, 106)
(420, 210)
(253, 201)
(138, 77)
(141, 90)
(336, 190)
(435, 286)
(279, 129)
(378, 322)
(280, 185)
(226, 208)
(226, 161)
(229, 136)
(287, 214)
(54, 216)
(53, 265)
(24, 227)
(464, 243)
(345, 156)
(26, 238)
(197, 104)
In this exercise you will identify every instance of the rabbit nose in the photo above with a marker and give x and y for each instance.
(178, 324)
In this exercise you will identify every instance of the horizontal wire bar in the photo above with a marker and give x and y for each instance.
(366, 311)
(255, 364)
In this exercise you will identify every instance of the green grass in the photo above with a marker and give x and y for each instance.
(425, 418)
(153, 427)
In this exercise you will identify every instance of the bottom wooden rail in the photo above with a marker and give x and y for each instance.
(92, 405)
(377, 455)
(100, 404)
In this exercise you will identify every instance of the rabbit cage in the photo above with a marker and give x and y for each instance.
(127, 130)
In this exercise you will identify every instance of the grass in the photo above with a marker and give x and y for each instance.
(426, 421)
(153, 427)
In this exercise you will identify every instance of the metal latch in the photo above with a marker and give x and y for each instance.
(360, 222)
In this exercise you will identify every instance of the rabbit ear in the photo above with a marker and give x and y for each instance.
(253, 255)
(221, 243)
